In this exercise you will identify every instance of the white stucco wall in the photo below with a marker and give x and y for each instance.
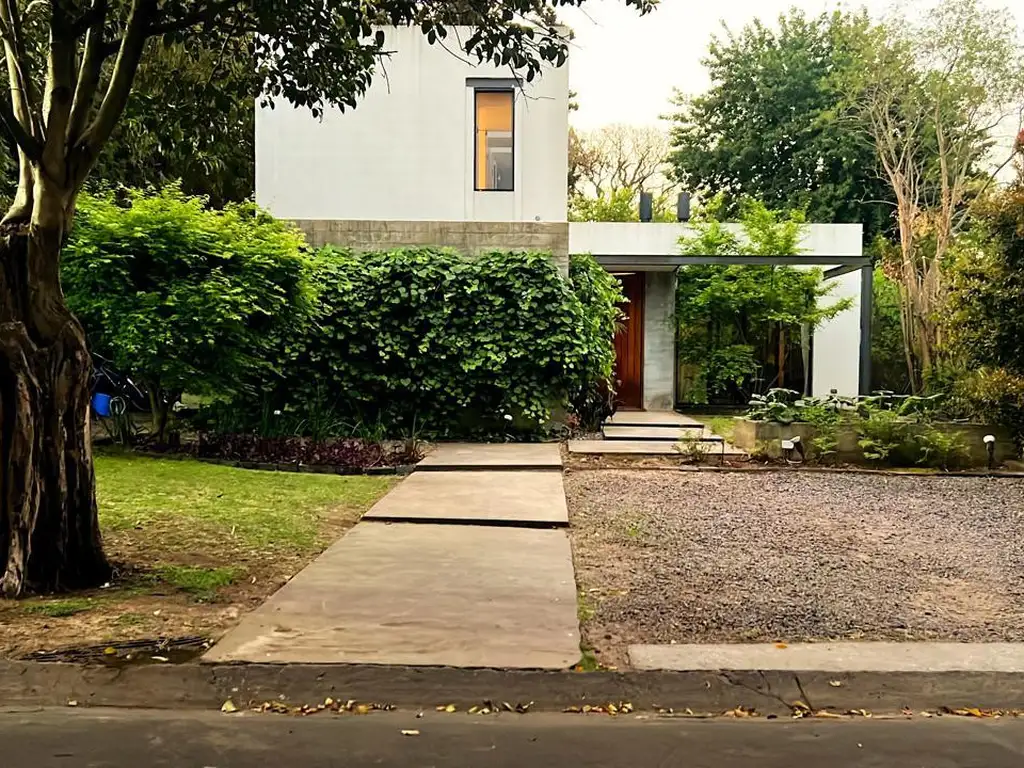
(405, 153)
(836, 345)
(640, 239)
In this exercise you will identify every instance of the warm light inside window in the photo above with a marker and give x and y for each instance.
(494, 145)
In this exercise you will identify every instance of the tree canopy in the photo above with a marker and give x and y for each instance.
(771, 126)
(72, 67)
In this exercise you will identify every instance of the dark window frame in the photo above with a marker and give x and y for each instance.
(476, 136)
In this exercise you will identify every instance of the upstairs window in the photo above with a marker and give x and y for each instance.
(495, 158)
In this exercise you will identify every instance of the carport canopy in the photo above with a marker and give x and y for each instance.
(838, 265)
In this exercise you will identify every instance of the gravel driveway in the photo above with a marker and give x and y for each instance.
(790, 556)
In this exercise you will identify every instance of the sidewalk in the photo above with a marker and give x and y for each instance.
(465, 565)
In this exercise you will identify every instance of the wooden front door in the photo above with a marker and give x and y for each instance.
(629, 344)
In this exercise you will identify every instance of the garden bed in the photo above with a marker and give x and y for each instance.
(686, 557)
(195, 546)
(764, 438)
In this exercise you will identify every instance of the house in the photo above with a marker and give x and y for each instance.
(445, 151)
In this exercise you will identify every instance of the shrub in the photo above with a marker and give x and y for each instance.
(600, 295)
(423, 338)
(181, 296)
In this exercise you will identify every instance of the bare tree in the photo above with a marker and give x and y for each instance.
(620, 157)
(929, 95)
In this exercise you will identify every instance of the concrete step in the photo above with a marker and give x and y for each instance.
(655, 432)
(715, 447)
(651, 419)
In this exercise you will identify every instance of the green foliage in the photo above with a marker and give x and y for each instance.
(888, 361)
(941, 449)
(986, 322)
(212, 82)
(618, 205)
(600, 295)
(426, 337)
(201, 582)
(182, 296)
(730, 318)
(890, 429)
(772, 126)
(60, 609)
(882, 435)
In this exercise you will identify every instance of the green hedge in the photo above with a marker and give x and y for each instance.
(181, 296)
(426, 339)
(233, 304)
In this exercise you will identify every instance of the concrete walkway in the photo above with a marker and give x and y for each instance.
(465, 565)
(834, 657)
(486, 498)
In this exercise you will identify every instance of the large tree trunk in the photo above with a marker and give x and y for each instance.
(49, 532)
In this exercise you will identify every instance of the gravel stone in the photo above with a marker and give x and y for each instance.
(690, 557)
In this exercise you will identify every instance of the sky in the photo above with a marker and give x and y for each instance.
(624, 66)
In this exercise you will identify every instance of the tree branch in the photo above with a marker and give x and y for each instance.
(59, 90)
(120, 86)
(27, 143)
(88, 73)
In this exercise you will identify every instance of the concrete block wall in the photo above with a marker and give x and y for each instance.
(660, 341)
(469, 237)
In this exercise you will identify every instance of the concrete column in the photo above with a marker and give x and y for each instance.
(659, 341)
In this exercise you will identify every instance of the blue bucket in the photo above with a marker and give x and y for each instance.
(101, 404)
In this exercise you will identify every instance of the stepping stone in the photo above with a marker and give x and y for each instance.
(436, 595)
(834, 657)
(486, 498)
(491, 456)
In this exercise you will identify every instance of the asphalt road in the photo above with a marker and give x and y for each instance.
(75, 738)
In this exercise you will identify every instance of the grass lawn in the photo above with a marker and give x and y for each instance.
(720, 425)
(194, 546)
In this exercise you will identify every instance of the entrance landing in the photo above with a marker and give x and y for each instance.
(650, 419)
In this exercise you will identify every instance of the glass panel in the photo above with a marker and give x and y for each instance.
(494, 140)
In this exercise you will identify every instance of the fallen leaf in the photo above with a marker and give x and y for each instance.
(507, 707)
(836, 683)
(419, 715)
(410, 733)
(228, 707)
(522, 709)
(72, 703)
(450, 708)
(361, 709)
(474, 710)
(110, 651)
(825, 714)
(328, 702)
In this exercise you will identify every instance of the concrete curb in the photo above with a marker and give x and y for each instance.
(205, 686)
